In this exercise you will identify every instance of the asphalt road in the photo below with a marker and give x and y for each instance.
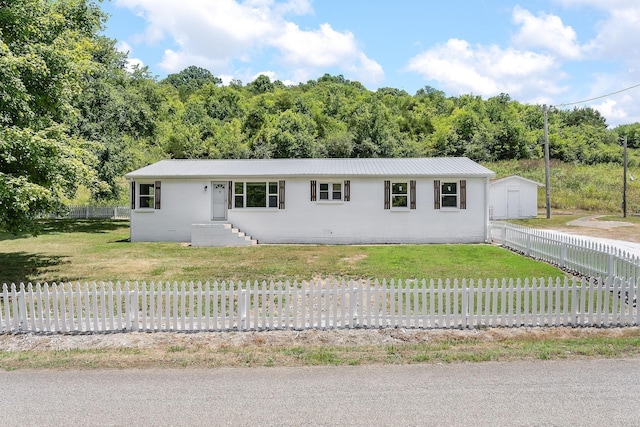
(542, 393)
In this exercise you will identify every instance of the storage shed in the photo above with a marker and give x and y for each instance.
(513, 197)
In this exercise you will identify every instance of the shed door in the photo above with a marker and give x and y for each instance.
(513, 203)
(219, 196)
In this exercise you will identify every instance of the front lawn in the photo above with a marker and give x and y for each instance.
(94, 250)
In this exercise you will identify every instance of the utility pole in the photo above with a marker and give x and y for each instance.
(624, 181)
(547, 172)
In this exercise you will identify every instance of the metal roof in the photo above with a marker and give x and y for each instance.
(411, 167)
(518, 178)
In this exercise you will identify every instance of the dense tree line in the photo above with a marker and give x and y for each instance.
(71, 114)
(198, 117)
(192, 115)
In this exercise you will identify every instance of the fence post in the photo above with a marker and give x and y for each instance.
(611, 268)
(23, 307)
(135, 310)
(353, 302)
(574, 301)
(464, 312)
(242, 307)
(563, 253)
(3, 290)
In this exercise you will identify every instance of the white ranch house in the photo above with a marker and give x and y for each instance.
(311, 201)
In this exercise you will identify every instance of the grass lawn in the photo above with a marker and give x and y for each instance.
(99, 250)
(556, 220)
(94, 250)
(314, 347)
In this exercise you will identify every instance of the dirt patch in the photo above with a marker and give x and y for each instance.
(594, 222)
(255, 340)
(594, 227)
(354, 259)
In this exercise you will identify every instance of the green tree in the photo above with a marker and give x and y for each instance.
(631, 132)
(190, 80)
(261, 84)
(45, 49)
(586, 116)
(228, 141)
(118, 109)
(287, 135)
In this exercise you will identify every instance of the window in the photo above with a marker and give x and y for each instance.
(149, 195)
(258, 194)
(330, 191)
(146, 195)
(450, 194)
(399, 194)
(239, 198)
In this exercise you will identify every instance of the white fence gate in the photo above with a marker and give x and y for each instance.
(326, 304)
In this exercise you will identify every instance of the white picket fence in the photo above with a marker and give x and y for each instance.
(97, 212)
(573, 254)
(323, 304)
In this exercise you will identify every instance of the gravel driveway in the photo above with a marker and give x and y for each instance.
(591, 228)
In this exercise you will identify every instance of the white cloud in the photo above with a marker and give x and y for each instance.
(600, 4)
(618, 107)
(614, 111)
(222, 33)
(226, 79)
(322, 48)
(367, 70)
(528, 69)
(487, 70)
(273, 76)
(546, 32)
(325, 48)
(532, 67)
(131, 63)
(123, 47)
(175, 61)
(617, 33)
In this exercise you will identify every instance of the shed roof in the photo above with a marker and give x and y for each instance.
(517, 178)
(414, 167)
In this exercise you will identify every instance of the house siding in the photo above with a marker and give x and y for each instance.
(361, 220)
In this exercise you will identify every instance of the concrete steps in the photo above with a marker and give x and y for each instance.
(219, 234)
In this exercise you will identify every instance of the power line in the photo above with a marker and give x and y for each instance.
(598, 97)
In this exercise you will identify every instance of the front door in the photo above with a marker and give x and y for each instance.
(219, 197)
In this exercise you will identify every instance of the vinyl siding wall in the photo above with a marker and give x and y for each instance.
(361, 220)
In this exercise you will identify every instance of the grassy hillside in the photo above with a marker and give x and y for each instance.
(596, 188)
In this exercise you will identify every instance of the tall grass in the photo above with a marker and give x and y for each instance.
(596, 188)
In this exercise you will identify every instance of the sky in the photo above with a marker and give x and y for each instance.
(554, 52)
